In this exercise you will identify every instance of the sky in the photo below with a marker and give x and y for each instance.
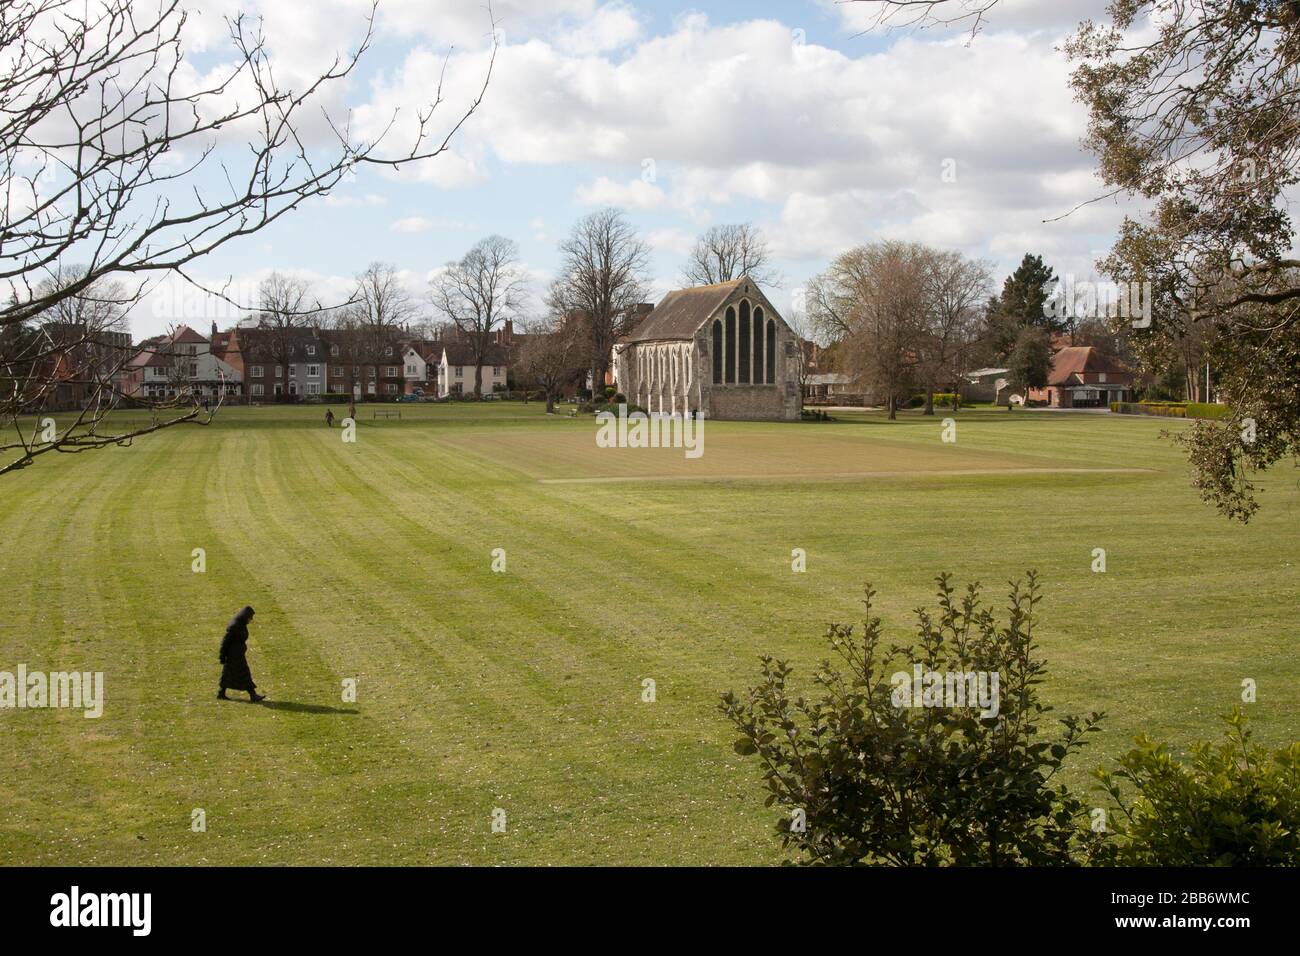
(785, 114)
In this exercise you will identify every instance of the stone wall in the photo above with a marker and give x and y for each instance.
(676, 377)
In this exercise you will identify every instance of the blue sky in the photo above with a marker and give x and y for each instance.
(783, 114)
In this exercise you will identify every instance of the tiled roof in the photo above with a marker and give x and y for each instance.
(462, 353)
(682, 311)
(1077, 360)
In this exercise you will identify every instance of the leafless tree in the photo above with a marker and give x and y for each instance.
(381, 308)
(285, 309)
(867, 302)
(926, 14)
(601, 277)
(552, 357)
(955, 291)
(479, 293)
(728, 252)
(103, 143)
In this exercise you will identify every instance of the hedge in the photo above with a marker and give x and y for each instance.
(1171, 409)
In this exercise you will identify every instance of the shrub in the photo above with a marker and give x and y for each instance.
(1172, 409)
(881, 783)
(943, 399)
(1231, 804)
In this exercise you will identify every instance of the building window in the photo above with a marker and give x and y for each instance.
(258, 389)
(771, 352)
(334, 351)
(313, 388)
(730, 356)
(717, 351)
(313, 371)
(460, 371)
(255, 371)
(758, 345)
(278, 370)
(411, 369)
(388, 350)
(391, 388)
(392, 371)
(498, 371)
(742, 372)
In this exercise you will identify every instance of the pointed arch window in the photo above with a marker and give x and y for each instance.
(759, 377)
(742, 368)
(717, 351)
(731, 346)
(771, 352)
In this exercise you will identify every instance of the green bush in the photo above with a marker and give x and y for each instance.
(1231, 804)
(866, 778)
(1171, 409)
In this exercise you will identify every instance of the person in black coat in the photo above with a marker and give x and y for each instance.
(235, 674)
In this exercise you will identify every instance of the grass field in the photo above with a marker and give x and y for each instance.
(521, 690)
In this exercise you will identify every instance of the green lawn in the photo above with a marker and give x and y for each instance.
(522, 690)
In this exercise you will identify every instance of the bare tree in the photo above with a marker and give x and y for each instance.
(728, 252)
(868, 303)
(552, 357)
(285, 310)
(927, 14)
(601, 278)
(381, 307)
(104, 141)
(479, 293)
(956, 289)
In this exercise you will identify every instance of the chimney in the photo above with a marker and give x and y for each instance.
(214, 328)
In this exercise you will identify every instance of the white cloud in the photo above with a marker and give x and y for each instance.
(412, 224)
(611, 27)
(637, 194)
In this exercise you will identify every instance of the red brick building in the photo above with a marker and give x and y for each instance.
(1084, 377)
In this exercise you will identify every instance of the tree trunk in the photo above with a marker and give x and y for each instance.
(478, 383)
(550, 403)
(929, 400)
(893, 408)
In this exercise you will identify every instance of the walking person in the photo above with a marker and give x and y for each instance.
(235, 674)
(329, 418)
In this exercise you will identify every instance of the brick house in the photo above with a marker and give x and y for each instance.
(281, 363)
(1084, 377)
(182, 364)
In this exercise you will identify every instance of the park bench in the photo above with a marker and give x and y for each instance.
(388, 413)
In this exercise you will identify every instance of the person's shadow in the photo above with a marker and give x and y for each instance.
(297, 708)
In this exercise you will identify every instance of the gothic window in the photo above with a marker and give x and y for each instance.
(717, 351)
(771, 352)
(758, 345)
(742, 372)
(731, 346)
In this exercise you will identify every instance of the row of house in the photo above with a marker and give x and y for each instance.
(265, 364)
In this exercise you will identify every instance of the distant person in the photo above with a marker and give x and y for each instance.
(329, 417)
(352, 409)
(235, 674)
